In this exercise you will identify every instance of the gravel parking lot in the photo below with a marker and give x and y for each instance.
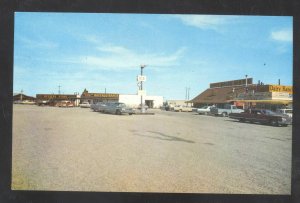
(75, 149)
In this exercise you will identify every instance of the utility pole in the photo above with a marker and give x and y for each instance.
(59, 89)
(21, 97)
(185, 93)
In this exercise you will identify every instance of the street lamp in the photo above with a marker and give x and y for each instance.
(141, 88)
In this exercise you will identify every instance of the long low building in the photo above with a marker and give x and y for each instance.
(132, 100)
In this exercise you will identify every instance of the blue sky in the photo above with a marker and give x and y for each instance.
(105, 51)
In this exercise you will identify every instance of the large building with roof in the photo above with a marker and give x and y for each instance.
(22, 98)
(243, 93)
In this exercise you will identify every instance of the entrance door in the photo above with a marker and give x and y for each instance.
(149, 103)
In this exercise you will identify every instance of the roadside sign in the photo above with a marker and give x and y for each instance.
(141, 78)
(141, 92)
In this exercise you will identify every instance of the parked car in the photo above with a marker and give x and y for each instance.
(42, 102)
(99, 106)
(225, 111)
(117, 108)
(262, 116)
(288, 112)
(180, 108)
(65, 103)
(85, 105)
(204, 110)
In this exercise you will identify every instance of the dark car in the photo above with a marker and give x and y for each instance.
(117, 108)
(262, 116)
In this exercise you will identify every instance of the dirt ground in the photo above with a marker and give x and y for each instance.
(75, 149)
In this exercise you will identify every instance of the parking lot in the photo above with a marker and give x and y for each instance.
(75, 149)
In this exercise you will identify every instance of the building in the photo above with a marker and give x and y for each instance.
(93, 98)
(53, 99)
(132, 100)
(243, 93)
(22, 98)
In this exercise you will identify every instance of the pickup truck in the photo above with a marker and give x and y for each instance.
(262, 116)
(225, 111)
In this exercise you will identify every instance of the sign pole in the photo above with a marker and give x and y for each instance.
(142, 104)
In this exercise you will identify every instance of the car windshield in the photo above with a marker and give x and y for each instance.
(269, 112)
(234, 107)
(121, 105)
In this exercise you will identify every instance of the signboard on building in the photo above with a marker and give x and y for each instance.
(281, 88)
(255, 96)
(103, 95)
(281, 96)
(55, 96)
(265, 96)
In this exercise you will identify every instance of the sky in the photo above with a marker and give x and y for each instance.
(104, 52)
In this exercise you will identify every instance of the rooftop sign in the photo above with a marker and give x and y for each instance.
(232, 83)
(55, 96)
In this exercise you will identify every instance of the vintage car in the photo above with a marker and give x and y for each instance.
(262, 116)
(65, 103)
(204, 110)
(288, 112)
(117, 108)
(180, 108)
(85, 105)
(99, 106)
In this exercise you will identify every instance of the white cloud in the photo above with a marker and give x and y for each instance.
(91, 38)
(37, 43)
(205, 21)
(284, 35)
(120, 58)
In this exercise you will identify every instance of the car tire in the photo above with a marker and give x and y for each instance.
(118, 112)
(224, 114)
(274, 123)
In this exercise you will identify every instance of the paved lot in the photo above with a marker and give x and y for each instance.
(80, 150)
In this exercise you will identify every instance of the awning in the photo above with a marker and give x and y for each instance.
(264, 101)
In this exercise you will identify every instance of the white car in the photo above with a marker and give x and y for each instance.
(85, 105)
(288, 112)
(180, 108)
(204, 110)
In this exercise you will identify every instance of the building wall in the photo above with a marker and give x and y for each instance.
(134, 101)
